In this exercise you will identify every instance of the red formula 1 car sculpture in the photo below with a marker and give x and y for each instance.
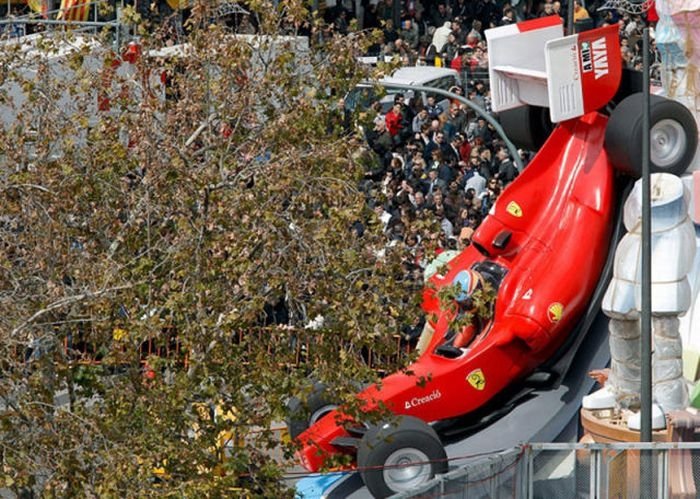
(542, 249)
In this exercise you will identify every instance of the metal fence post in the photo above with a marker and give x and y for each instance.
(522, 474)
(662, 457)
(594, 479)
(530, 473)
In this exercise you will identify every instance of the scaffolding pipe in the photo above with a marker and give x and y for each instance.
(60, 22)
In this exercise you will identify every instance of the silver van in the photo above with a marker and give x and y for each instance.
(427, 76)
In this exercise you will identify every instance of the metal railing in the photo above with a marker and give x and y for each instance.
(292, 348)
(574, 470)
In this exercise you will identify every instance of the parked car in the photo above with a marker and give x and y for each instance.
(363, 96)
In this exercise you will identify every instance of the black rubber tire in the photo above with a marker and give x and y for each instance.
(303, 414)
(623, 135)
(527, 127)
(380, 442)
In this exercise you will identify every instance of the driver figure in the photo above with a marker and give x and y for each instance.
(470, 281)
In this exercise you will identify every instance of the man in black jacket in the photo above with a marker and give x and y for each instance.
(506, 168)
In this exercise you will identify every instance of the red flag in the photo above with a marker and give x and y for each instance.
(74, 10)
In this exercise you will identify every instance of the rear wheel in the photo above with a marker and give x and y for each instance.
(527, 127)
(400, 456)
(674, 136)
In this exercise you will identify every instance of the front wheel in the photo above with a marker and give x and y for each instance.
(674, 136)
(398, 457)
(304, 414)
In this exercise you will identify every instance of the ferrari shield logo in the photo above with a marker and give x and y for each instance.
(555, 311)
(476, 379)
(514, 209)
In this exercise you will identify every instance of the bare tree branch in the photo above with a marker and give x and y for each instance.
(68, 300)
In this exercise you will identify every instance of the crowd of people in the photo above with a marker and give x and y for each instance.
(439, 170)
(450, 32)
(445, 166)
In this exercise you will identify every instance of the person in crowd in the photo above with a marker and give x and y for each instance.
(445, 224)
(506, 168)
(458, 32)
(434, 109)
(441, 35)
(451, 152)
(432, 184)
(487, 163)
(556, 9)
(409, 32)
(489, 196)
(441, 16)
(508, 15)
(422, 118)
(580, 12)
(394, 121)
(379, 138)
(450, 49)
(475, 32)
(482, 130)
(547, 9)
(456, 121)
(476, 182)
(419, 203)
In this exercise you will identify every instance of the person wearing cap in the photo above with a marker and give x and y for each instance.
(379, 138)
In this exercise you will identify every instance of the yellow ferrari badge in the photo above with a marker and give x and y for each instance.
(514, 209)
(476, 379)
(555, 311)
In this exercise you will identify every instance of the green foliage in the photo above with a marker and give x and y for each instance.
(142, 249)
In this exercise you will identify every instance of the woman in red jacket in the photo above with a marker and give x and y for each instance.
(393, 120)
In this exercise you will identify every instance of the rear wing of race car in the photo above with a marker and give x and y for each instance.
(532, 62)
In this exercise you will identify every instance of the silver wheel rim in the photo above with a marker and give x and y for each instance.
(406, 468)
(320, 412)
(668, 142)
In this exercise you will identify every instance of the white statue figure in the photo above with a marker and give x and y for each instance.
(673, 255)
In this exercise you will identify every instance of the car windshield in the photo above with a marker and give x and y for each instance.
(363, 97)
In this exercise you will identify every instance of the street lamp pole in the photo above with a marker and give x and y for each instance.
(646, 468)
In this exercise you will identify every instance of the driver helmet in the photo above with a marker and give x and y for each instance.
(468, 281)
